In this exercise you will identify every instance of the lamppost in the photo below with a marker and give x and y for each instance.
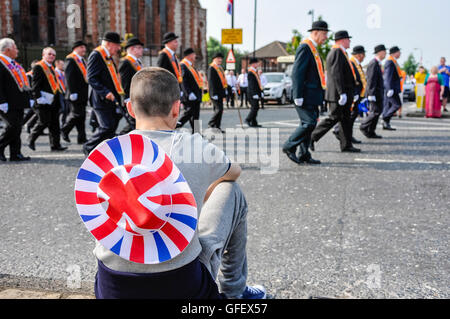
(311, 13)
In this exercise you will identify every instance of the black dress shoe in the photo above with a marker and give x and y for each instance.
(336, 134)
(351, 149)
(31, 145)
(387, 126)
(310, 161)
(19, 158)
(291, 156)
(58, 148)
(65, 137)
(374, 135)
(82, 141)
(311, 146)
(355, 141)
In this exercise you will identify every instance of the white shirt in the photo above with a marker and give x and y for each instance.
(136, 59)
(313, 42)
(231, 80)
(7, 58)
(171, 52)
(243, 80)
(107, 52)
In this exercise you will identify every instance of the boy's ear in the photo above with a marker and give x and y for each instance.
(176, 109)
(130, 110)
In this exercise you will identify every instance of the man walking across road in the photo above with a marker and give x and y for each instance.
(217, 84)
(392, 78)
(255, 92)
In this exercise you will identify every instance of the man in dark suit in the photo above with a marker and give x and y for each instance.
(14, 97)
(76, 92)
(192, 91)
(340, 94)
(392, 88)
(308, 83)
(217, 84)
(374, 93)
(106, 89)
(46, 89)
(167, 58)
(255, 92)
(128, 67)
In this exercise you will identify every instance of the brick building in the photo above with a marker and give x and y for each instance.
(38, 23)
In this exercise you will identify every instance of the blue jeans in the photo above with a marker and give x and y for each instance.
(301, 137)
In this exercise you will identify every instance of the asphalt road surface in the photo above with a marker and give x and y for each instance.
(368, 225)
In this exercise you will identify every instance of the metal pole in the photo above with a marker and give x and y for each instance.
(254, 31)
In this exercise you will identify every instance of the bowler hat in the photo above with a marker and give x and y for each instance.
(188, 51)
(339, 35)
(319, 25)
(218, 55)
(113, 37)
(394, 49)
(253, 60)
(169, 36)
(358, 49)
(379, 48)
(78, 44)
(133, 41)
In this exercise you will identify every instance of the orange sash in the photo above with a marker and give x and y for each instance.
(176, 66)
(221, 74)
(19, 75)
(348, 60)
(257, 77)
(318, 62)
(134, 63)
(112, 70)
(194, 73)
(399, 70)
(80, 64)
(52, 80)
(361, 75)
(61, 82)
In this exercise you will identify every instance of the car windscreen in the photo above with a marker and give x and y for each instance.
(274, 77)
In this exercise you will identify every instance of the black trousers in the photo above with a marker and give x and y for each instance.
(369, 124)
(251, 117)
(10, 133)
(353, 116)
(216, 119)
(108, 120)
(338, 114)
(391, 105)
(77, 119)
(48, 116)
(191, 113)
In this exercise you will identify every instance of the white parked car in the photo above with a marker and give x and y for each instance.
(278, 87)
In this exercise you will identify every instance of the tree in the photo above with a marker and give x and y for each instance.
(410, 66)
(292, 46)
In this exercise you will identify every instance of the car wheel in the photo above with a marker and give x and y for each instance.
(283, 99)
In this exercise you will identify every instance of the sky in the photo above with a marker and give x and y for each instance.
(420, 27)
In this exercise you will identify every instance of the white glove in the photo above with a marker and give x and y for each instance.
(4, 107)
(48, 97)
(215, 97)
(226, 92)
(343, 99)
(298, 102)
(355, 98)
(32, 103)
(256, 97)
(192, 97)
(41, 100)
(262, 94)
(181, 93)
(73, 97)
(390, 93)
(372, 98)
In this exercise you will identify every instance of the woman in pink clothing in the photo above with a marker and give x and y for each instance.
(434, 88)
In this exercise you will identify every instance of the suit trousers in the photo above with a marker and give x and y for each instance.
(369, 124)
(353, 116)
(391, 105)
(107, 120)
(191, 113)
(251, 117)
(10, 133)
(301, 137)
(77, 119)
(338, 114)
(216, 119)
(48, 116)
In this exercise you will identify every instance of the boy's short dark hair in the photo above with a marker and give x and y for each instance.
(153, 91)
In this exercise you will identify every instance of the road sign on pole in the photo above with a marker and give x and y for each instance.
(231, 36)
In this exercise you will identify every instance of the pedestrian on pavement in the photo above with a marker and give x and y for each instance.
(392, 87)
(375, 93)
(77, 92)
(160, 255)
(217, 84)
(420, 77)
(444, 71)
(243, 85)
(435, 90)
(309, 84)
(340, 94)
(231, 81)
(14, 97)
(107, 90)
(47, 91)
(255, 92)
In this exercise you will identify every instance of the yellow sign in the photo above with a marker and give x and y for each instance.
(231, 36)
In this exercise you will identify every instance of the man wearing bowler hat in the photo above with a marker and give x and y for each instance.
(218, 85)
(340, 93)
(255, 92)
(308, 82)
(392, 78)
(106, 89)
(167, 58)
(75, 70)
(374, 93)
(128, 67)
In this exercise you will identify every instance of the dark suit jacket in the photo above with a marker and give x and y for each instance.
(189, 85)
(40, 83)
(391, 77)
(374, 76)
(215, 84)
(305, 78)
(127, 72)
(340, 78)
(10, 92)
(100, 81)
(253, 86)
(75, 82)
(165, 63)
(359, 85)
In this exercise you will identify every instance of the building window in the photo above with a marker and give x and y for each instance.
(134, 17)
(17, 30)
(51, 16)
(34, 20)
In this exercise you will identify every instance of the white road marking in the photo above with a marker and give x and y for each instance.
(379, 160)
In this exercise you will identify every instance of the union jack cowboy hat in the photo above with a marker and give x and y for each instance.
(135, 201)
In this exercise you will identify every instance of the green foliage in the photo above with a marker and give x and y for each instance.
(292, 46)
(410, 66)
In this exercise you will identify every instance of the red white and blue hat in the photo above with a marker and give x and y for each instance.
(135, 201)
